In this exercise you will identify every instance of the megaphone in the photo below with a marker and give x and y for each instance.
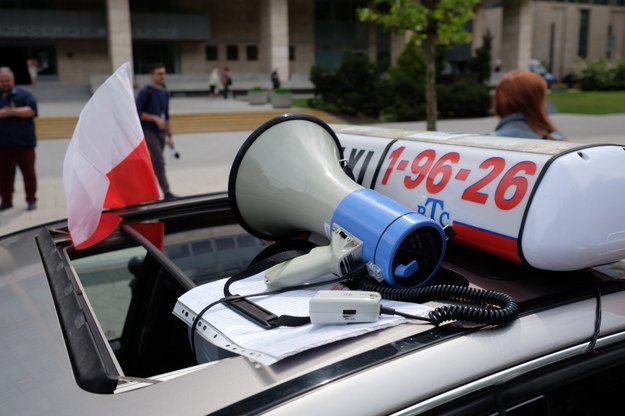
(287, 179)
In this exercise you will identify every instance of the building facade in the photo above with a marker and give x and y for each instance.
(73, 41)
(76, 39)
(556, 32)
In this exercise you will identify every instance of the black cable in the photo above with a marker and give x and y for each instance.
(489, 307)
(597, 328)
(195, 322)
(390, 311)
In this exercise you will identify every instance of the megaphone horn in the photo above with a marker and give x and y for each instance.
(287, 179)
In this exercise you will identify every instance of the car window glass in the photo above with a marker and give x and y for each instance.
(107, 279)
(212, 254)
(133, 295)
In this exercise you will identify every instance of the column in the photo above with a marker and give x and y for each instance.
(478, 29)
(275, 36)
(516, 34)
(119, 34)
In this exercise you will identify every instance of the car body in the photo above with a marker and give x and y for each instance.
(92, 331)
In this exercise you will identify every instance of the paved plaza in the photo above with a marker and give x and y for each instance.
(205, 158)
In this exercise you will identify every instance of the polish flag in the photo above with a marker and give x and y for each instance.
(107, 164)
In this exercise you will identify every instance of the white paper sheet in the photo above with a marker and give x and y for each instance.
(225, 328)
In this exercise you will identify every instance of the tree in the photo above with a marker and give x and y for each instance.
(482, 61)
(432, 22)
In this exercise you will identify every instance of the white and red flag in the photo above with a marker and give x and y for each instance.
(107, 164)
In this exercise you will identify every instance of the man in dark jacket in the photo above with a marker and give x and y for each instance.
(18, 108)
(153, 108)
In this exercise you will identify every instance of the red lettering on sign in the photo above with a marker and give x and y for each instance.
(472, 193)
(394, 158)
(520, 184)
(420, 166)
(443, 171)
(437, 172)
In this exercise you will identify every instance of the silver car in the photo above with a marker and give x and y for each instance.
(92, 332)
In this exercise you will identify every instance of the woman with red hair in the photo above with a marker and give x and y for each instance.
(520, 103)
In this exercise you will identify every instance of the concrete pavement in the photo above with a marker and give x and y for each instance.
(205, 159)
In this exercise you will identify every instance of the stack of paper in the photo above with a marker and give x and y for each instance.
(228, 330)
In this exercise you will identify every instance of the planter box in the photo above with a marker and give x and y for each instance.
(257, 97)
(282, 100)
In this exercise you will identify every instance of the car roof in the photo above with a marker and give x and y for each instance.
(39, 361)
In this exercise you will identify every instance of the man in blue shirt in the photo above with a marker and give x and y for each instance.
(153, 107)
(18, 109)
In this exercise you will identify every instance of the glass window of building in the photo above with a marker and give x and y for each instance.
(159, 6)
(211, 52)
(337, 27)
(251, 52)
(146, 53)
(16, 55)
(232, 52)
(584, 23)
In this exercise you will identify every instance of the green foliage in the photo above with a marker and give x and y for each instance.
(600, 74)
(359, 88)
(350, 88)
(619, 74)
(404, 99)
(448, 16)
(257, 88)
(411, 61)
(481, 63)
(438, 23)
(281, 90)
(463, 99)
(402, 15)
(589, 102)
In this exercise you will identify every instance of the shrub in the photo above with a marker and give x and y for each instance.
(463, 99)
(359, 88)
(351, 89)
(619, 74)
(481, 63)
(404, 98)
(600, 74)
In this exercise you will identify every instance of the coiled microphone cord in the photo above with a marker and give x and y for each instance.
(485, 306)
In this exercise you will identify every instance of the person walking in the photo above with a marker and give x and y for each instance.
(520, 101)
(214, 84)
(226, 81)
(33, 67)
(275, 79)
(153, 107)
(18, 140)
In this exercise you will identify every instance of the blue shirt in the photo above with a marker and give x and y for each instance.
(155, 101)
(515, 125)
(18, 131)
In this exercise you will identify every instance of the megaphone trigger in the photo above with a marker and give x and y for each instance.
(338, 258)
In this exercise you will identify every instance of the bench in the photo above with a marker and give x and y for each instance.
(188, 84)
